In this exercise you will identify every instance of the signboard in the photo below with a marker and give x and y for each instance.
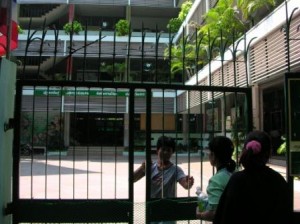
(66, 92)
(293, 108)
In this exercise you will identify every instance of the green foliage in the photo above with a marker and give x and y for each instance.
(122, 27)
(183, 55)
(249, 7)
(184, 10)
(175, 23)
(20, 30)
(116, 69)
(73, 27)
(222, 17)
(226, 18)
(282, 148)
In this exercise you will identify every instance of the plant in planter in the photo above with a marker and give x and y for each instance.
(74, 27)
(122, 27)
(174, 25)
(20, 30)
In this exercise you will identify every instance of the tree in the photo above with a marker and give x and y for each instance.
(222, 17)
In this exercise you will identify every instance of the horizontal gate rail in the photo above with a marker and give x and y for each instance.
(134, 86)
(75, 211)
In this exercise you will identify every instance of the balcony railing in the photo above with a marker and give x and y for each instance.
(149, 3)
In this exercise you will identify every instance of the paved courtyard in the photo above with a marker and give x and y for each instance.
(104, 177)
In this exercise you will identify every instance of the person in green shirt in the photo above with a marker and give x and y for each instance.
(220, 156)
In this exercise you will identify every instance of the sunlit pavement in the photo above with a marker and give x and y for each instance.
(104, 177)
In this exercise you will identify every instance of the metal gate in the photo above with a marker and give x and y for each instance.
(80, 135)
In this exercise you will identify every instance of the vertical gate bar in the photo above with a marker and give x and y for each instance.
(44, 31)
(249, 117)
(287, 33)
(156, 53)
(32, 134)
(84, 54)
(148, 148)
(127, 59)
(208, 52)
(163, 130)
(189, 135)
(101, 152)
(234, 46)
(212, 134)
(290, 179)
(70, 57)
(196, 55)
(235, 129)
(176, 131)
(170, 57)
(114, 57)
(183, 55)
(16, 149)
(88, 145)
(143, 49)
(47, 138)
(61, 137)
(201, 138)
(56, 39)
(224, 113)
(26, 48)
(131, 127)
(99, 55)
(115, 145)
(74, 147)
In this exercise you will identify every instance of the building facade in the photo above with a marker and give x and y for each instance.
(260, 60)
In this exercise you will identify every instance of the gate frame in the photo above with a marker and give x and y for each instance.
(60, 210)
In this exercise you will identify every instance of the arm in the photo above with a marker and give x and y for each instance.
(139, 172)
(186, 182)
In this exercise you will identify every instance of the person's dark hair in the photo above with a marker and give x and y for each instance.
(165, 141)
(257, 150)
(223, 148)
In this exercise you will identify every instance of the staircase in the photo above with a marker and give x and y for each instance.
(52, 15)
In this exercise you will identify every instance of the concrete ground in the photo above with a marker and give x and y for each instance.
(105, 177)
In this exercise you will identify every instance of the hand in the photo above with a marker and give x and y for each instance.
(198, 213)
(189, 181)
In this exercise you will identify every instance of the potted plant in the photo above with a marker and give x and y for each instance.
(74, 27)
(122, 27)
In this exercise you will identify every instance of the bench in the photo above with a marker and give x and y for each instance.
(39, 150)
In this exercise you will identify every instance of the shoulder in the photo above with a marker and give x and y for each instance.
(176, 168)
(276, 176)
(221, 176)
(237, 179)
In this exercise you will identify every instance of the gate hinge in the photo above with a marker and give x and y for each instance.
(8, 210)
(9, 125)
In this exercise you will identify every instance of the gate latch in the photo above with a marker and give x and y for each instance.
(8, 209)
(9, 125)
